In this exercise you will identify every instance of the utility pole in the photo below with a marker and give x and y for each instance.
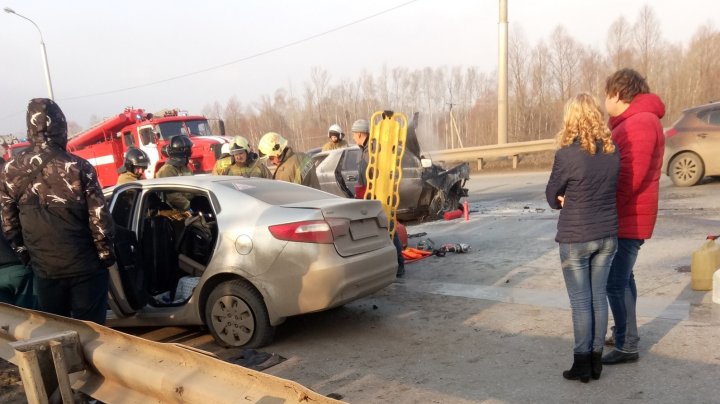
(503, 73)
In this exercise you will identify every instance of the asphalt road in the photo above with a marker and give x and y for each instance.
(493, 324)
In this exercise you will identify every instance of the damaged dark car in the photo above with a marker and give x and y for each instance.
(427, 190)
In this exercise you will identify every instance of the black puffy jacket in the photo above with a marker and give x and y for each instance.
(588, 183)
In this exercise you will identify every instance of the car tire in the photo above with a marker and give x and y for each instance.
(686, 169)
(236, 316)
(439, 204)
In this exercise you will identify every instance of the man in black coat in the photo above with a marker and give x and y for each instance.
(54, 217)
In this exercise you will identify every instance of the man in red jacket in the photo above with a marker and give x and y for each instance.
(635, 124)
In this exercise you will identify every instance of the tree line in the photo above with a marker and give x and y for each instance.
(458, 106)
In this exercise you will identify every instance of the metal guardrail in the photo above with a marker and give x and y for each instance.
(492, 151)
(121, 368)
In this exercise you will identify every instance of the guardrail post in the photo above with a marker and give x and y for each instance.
(516, 159)
(480, 164)
(40, 358)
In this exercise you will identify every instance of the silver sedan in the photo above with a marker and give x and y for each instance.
(246, 255)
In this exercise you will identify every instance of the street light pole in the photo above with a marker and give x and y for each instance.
(42, 50)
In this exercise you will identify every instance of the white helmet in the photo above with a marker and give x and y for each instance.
(336, 130)
(239, 143)
(272, 144)
(225, 148)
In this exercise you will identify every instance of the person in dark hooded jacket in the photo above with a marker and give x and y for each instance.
(55, 219)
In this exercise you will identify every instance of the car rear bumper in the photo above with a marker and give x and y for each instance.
(326, 280)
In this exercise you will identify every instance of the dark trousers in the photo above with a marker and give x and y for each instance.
(82, 297)
(398, 247)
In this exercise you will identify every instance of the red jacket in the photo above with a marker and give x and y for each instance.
(639, 135)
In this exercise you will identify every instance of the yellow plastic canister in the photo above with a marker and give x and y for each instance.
(704, 263)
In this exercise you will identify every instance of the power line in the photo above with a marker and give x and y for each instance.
(246, 58)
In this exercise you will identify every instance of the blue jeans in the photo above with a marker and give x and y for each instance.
(622, 295)
(585, 268)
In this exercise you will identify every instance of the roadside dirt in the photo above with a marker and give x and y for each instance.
(11, 390)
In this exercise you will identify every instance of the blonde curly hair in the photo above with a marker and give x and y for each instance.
(584, 121)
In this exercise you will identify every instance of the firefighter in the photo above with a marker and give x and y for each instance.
(178, 151)
(135, 164)
(292, 167)
(336, 135)
(224, 161)
(55, 218)
(246, 162)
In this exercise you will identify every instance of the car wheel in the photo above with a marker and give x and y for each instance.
(686, 169)
(440, 204)
(236, 316)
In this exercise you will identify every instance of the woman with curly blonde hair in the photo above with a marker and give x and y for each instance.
(583, 184)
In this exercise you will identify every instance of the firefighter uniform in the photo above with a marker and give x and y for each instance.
(297, 168)
(334, 145)
(178, 200)
(222, 165)
(255, 169)
(127, 177)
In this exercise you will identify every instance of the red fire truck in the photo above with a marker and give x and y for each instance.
(105, 144)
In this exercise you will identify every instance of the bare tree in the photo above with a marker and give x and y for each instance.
(620, 44)
(647, 37)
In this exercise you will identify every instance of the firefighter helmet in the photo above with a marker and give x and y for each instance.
(336, 130)
(272, 144)
(180, 146)
(135, 158)
(239, 143)
(225, 149)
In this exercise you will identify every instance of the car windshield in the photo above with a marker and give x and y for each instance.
(198, 127)
(278, 193)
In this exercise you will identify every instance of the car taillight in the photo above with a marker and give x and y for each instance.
(671, 132)
(311, 231)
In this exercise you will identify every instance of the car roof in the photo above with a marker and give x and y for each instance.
(711, 104)
(201, 181)
(340, 150)
(272, 192)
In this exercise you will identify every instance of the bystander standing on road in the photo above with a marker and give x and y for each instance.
(583, 184)
(55, 218)
(635, 124)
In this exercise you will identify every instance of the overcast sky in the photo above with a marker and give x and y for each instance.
(97, 47)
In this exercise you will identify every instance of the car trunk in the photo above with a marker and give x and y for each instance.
(368, 224)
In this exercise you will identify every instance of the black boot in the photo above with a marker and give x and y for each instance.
(596, 364)
(580, 369)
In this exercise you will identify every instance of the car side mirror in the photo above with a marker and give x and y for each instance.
(426, 163)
